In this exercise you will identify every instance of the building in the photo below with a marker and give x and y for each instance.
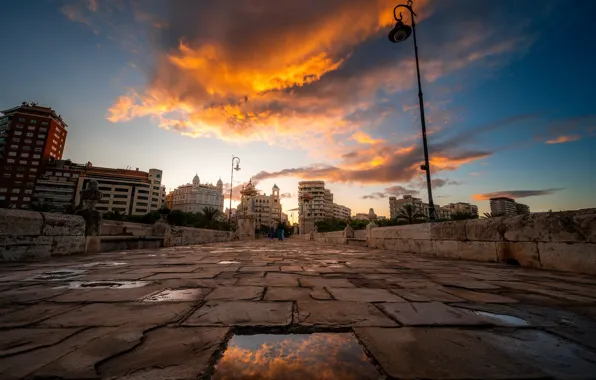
(328, 204)
(522, 209)
(370, 216)
(30, 136)
(266, 209)
(315, 191)
(396, 204)
(462, 208)
(502, 206)
(195, 196)
(130, 192)
(341, 212)
(170, 199)
(57, 185)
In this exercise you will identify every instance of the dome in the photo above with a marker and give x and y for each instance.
(219, 182)
(196, 178)
(275, 187)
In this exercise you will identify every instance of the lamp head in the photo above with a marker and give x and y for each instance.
(400, 32)
(237, 167)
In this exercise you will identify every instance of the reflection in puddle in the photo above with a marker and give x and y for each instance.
(507, 319)
(229, 262)
(295, 356)
(179, 295)
(56, 275)
(105, 263)
(105, 284)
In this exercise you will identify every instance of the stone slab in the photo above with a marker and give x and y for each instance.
(20, 222)
(19, 340)
(236, 293)
(525, 253)
(326, 282)
(289, 293)
(568, 257)
(56, 224)
(364, 295)
(23, 316)
(479, 296)
(430, 314)
(341, 314)
(241, 313)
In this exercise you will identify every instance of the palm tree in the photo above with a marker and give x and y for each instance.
(492, 215)
(410, 214)
(210, 213)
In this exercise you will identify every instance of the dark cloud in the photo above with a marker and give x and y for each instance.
(568, 129)
(392, 191)
(515, 193)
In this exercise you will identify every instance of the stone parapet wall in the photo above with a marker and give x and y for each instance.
(192, 236)
(32, 235)
(120, 228)
(564, 241)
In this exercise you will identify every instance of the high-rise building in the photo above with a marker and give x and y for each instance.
(341, 212)
(57, 185)
(522, 209)
(328, 204)
(195, 196)
(130, 192)
(396, 204)
(316, 191)
(502, 206)
(30, 137)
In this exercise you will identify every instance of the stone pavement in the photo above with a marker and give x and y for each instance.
(167, 313)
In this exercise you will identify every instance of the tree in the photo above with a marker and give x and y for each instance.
(461, 216)
(410, 214)
(41, 206)
(492, 215)
(210, 213)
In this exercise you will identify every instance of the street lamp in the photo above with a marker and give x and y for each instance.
(237, 161)
(399, 33)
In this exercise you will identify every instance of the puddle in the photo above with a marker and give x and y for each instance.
(295, 356)
(180, 295)
(507, 319)
(105, 285)
(104, 263)
(229, 262)
(57, 275)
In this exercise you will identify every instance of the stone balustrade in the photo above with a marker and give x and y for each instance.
(564, 241)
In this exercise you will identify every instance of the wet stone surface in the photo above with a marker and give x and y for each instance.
(169, 313)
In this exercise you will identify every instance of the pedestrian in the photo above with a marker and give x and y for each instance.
(271, 233)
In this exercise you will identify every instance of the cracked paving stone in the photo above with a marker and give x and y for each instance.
(236, 293)
(364, 295)
(15, 341)
(289, 293)
(341, 314)
(426, 295)
(118, 314)
(241, 313)
(105, 295)
(27, 315)
(431, 313)
(166, 276)
(180, 353)
(326, 282)
(478, 296)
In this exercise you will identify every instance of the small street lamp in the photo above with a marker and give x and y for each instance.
(399, 33)
(237, 161)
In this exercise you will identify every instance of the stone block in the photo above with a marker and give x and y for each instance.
(477, 251)
(455, 230)
(422, 247)
(341, 314)
(68, 245)
(586, 222)
(525, 253)
(413, 231)
(491, 229)
(446, 248)
(431, 314)
(19, 248)
(20, 222)
(242, 313)
(568, 257)
(62, 225)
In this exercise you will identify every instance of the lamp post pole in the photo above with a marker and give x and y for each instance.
(398, 34)
(237, 161)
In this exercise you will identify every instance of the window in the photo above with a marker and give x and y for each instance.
(32, 169)
(38, 150)
(26, 199)
(155, 187)
(66, 174)
(14, 147)
(15, 198)
(142, 198)
(26, 148)
(8, 167)
(36, 155)
(28, 191)
(18, 133)
(140, 210)
(54, 141)
(32, 121)
(16, 139)
(31, 128)
(20, 169)
(41, 136)
(27, 141)
(44, 123)
(35, 163)
(24, 154)
(3, 189)
(10, 160)
(24, 162)
(19, 175)
(29, 134)
(31, 184)
(2, 197)
(120, 196)
(58, 174)
(141, 203)
(6, 175)
(119, 202)
(53, 147)
(22, 119)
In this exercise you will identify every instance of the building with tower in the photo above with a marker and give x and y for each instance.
(30, 137)
(195, 196)
(266, 209)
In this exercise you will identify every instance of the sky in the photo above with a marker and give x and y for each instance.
(314, 90)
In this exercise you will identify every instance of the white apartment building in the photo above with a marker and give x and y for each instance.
(463, 208)
(130, 192)
(267, 209)
(422, 207)
(197, 196)
(341, 212)
(328, 204)
(316, 191)
(502, 206)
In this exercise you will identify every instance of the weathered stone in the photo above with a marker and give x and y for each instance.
(340, 314)
(271, 279)
(455, 230)
(55, 224)
(242, 313)
(586, 223)
(430, 313)
(421, 353)
(91, 295)
(15, 341)
(288, 293)
(426, 295)
(364, 295)
(412, 231)
(569, 257)
(320, 294)
(236, 293)
(477, 251)
(115, 314)
(21, 248)
(32, 314)
(422, 247)
(327, 283)
(197, 275)
(68, 245)
(526, 254)
(167, 353)
(20, 366)
(478, 296)
(20, 222)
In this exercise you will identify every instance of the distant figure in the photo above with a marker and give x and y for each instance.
(271, 233)
(280, 231)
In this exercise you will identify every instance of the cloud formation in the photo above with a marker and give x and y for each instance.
(514, 194)
(569, 129)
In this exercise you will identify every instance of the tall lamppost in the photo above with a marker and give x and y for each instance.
(399, 33)
(237, 161)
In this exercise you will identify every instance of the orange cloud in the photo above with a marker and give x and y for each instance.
(365, 138)
(563, 139)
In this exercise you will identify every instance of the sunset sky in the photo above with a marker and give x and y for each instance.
(313, 89)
